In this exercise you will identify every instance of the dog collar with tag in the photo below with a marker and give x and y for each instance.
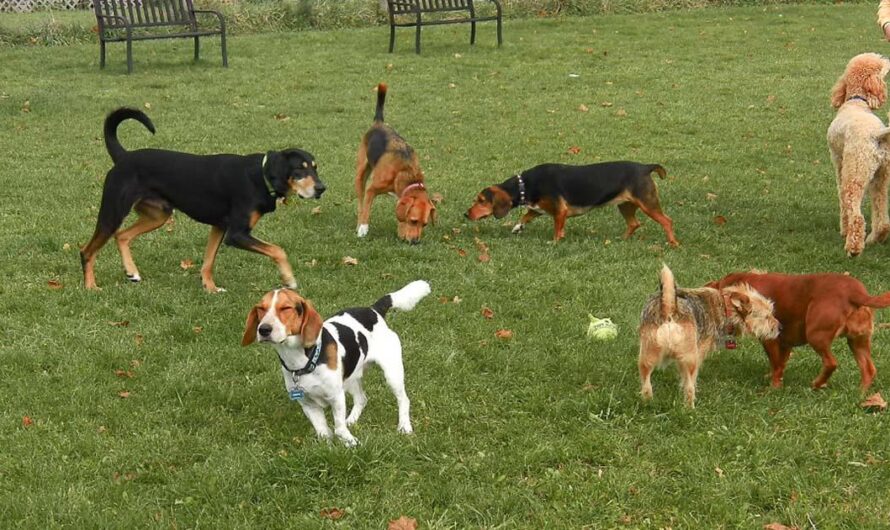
(860, 98)
(266, 180)
(312, 353)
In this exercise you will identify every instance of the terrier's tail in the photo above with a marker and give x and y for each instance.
(404, 299)
(668, 293)
(381, 99)
(115, 149)
(662, 172)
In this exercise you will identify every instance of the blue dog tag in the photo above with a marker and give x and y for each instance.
(296, 394)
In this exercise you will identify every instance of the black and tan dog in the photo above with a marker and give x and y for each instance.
(228, 192)
(392, 166)
(563, 191)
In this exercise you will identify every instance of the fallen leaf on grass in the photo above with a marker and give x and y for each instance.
(874, 401)
(120, 324)
(778, 526)
(27, 421)
(198, 329)
(719, 472)
(139, 339)
(123, 394)
(487, 313)
(332, 513)
(437, 197)
(54, 284)
(621, 113)
(26, 106)
(186, 264)
(711, 196)
(606, 104)
(125, 373)
(504, 334)
(583, 108)
(402, 523)
(461, 252)
(135, 363)
(574, 150)
(349, 260)
(316, 210)
(719, 220)
(66, 247)
(282, 117)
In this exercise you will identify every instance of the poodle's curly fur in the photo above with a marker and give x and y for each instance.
(859, 151)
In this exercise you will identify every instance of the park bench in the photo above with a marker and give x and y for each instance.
(409, 13)
(129, 20)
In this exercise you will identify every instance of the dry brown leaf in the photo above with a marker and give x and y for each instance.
(461, 252)
(437, 197)
(480, 245)
(719, 220)
(874, 401)
(504, 334)
(186, 264)
(147, 105)
(139, 339)
(198, 329)
(778, 526)
(124, 394)
(27, 421)
(54, 284)
(484, 258)
(26, 106)
(402, 523)
(127, 374)
(316, 210)
(135, 363)
(349, 260)
(456, 300)
(719, 472)
(711, 196)
(66, 247)
(487, 313)
(621, 113)
(606, 104)
(574, 150)
(583, 108)
(282, 117)
(332, 513)
(120, 324)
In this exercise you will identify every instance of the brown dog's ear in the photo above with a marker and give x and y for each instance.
(253, 320)
(713, 285)
(839, 92)
(402, 208)
(311, 326)
(501, 203)
(876, 89)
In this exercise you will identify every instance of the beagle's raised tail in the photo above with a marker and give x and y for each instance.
(404, 299)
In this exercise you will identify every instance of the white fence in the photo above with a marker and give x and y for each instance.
(25, 6)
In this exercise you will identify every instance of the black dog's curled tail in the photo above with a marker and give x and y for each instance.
(115, 149)
(658, 169)
(381, 99)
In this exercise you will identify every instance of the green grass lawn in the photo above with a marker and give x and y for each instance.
(542, 431)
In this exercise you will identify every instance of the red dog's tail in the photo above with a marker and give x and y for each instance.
(878, 302)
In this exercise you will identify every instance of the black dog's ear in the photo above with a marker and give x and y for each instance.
(501, 203)
(276, 168)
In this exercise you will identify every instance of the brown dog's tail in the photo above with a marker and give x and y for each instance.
(662, 172)
(381, 99)
(115, 149)
(668, 293)
(877, 302)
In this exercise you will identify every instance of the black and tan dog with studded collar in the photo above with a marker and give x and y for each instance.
(322, 361)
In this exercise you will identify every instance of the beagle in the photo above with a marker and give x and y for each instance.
(387, 164)
(321, 361)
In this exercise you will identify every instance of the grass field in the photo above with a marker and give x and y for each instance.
(145, 411)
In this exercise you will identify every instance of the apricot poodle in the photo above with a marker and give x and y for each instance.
(859, 151)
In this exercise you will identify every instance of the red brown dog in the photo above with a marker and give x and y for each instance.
(815, 309)
(387, 164)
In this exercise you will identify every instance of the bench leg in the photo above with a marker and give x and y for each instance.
(101, 53)
(472, 33)
(417, 41)
(392, 37)
(197, 48)
(500, 37)
(129, 56)
(222, 44)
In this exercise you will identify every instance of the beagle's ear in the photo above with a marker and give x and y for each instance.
(402, 208)
(311, 326)
(502, 204)
(253, 320)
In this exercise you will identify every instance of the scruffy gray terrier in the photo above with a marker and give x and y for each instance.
(684, 325)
